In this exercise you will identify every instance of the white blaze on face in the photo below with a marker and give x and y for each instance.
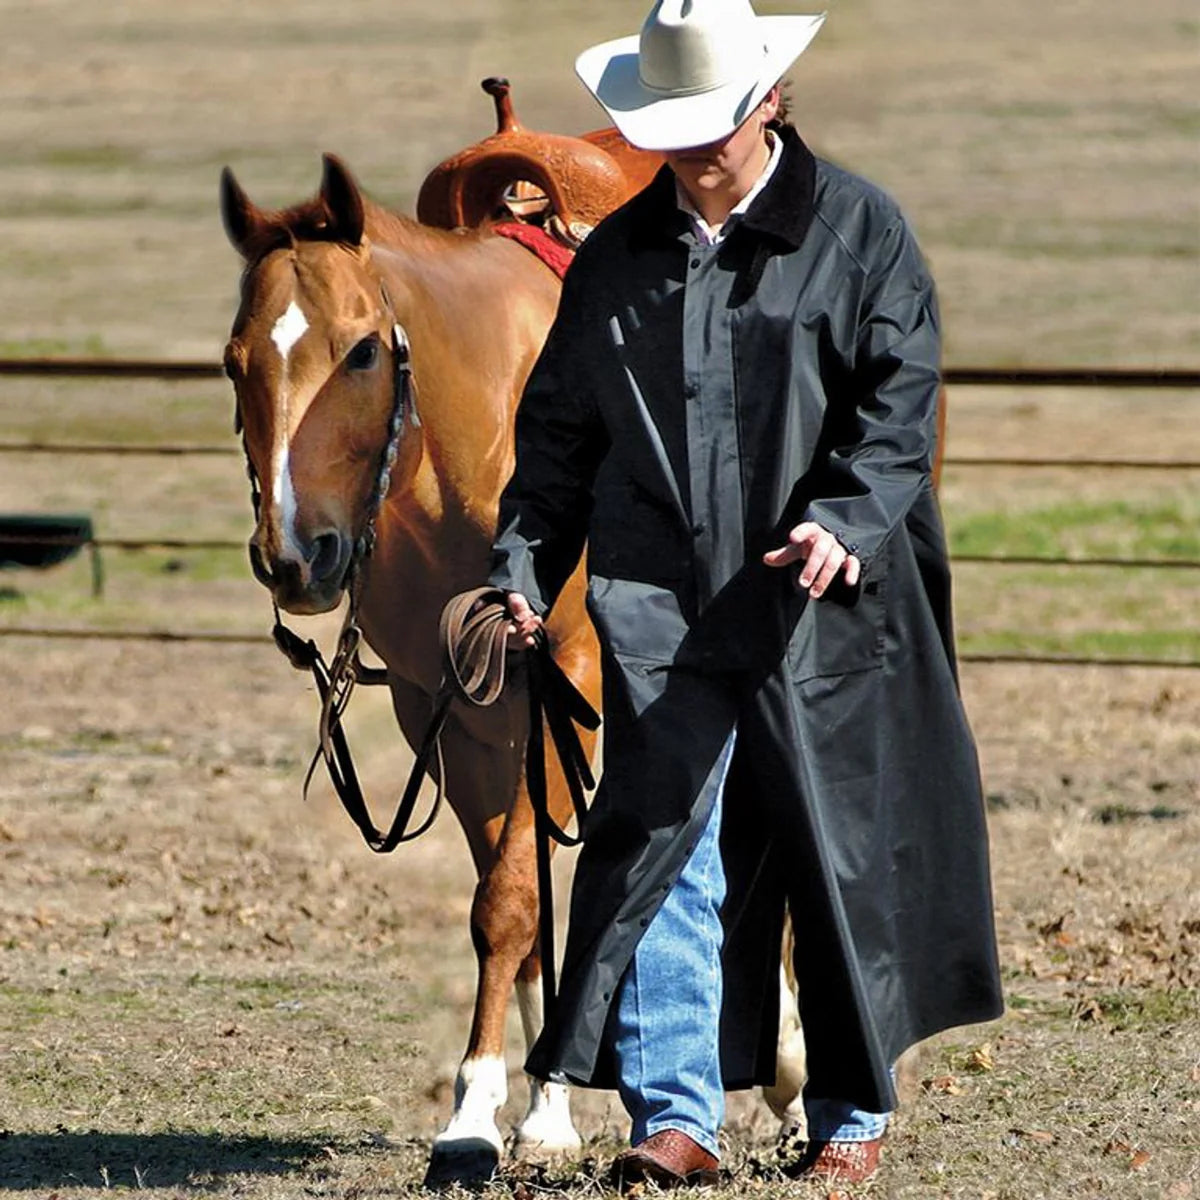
(288, 330)
(284, 496)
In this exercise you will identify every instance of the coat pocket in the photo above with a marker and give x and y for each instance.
(844, 631)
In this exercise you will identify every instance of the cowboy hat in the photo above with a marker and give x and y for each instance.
(696, 71)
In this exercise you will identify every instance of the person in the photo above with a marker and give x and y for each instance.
(735, 409)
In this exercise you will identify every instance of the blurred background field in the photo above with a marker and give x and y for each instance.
(204, 987)
(1046, 153)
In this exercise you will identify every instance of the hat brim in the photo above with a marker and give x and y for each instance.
(652, 121)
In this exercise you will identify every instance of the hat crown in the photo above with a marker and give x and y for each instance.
(690, 46)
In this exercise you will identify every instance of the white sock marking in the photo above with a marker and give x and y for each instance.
(546, 1126)
(479, 1090)
(785, 1096)
(529, 1005)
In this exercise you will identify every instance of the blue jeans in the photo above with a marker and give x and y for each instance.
(665, 1026)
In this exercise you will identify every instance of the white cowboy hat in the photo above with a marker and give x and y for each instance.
(696, 71)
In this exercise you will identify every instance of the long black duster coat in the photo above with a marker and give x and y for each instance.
(691, 405)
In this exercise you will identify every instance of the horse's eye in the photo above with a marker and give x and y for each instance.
(362, 357)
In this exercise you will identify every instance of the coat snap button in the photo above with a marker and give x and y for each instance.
(695, 263)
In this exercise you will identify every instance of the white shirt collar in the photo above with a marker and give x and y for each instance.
(706, 234)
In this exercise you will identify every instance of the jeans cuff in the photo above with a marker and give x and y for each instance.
(834, 1121)
(700, 1136)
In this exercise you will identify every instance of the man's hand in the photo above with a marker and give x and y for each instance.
(821, 553)
(525, 627)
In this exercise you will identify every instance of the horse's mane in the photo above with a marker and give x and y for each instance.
(310, 221)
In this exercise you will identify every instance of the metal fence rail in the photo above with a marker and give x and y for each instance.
(1104, 377)
(182, 449)
(197, 544)
(220, 637)
(1084, 377)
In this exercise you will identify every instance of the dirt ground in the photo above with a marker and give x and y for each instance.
(208, 987)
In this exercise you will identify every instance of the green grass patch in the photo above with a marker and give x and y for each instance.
(1073, 240)
(1116, 528)
(91, 346)
(1119, 814)
(1162, 645)
(1028, 110)
(1142, 1010)
(68, 205)
(199, 566)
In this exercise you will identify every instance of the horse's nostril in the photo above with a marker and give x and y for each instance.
(326, 555)
(259, 565)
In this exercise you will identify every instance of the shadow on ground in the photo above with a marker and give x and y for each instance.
(48, 1160)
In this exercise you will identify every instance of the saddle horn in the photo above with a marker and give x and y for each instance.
(582, 181)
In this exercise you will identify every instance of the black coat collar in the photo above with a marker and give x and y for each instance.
(783, 210)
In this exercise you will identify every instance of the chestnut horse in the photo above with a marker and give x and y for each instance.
(329, 287)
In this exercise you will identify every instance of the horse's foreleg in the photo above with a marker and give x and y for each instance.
(785, 1095)
(504, 926)
(547, 1127)
(482, 781)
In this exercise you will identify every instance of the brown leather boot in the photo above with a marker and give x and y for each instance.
(669, 1159)
(841, 1162)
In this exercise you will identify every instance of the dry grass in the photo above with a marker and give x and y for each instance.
(208, 989)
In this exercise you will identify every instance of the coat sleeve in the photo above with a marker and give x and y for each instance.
(874, 478)
(560, 441)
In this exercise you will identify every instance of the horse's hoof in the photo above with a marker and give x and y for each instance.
(465, 1161)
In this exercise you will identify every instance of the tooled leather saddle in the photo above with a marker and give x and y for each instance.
(564, 185)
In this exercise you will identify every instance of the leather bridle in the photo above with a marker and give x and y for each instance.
(336, 680)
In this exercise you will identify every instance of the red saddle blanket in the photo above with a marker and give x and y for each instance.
(553, 253)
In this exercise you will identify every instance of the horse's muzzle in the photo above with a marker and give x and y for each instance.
(311, 583)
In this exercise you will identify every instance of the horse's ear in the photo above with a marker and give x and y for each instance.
(343, 200)
(240, 215)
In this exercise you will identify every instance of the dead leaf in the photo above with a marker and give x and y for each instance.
(1117, 1147)
(1088, 1010)
(1139, 1160)
(1181, 1189)
(945, 1085)
(1042, 1136)
(1055, 926)
(981, 1058)
(1195, 1076)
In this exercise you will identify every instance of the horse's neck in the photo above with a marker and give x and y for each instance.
(476, 311)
